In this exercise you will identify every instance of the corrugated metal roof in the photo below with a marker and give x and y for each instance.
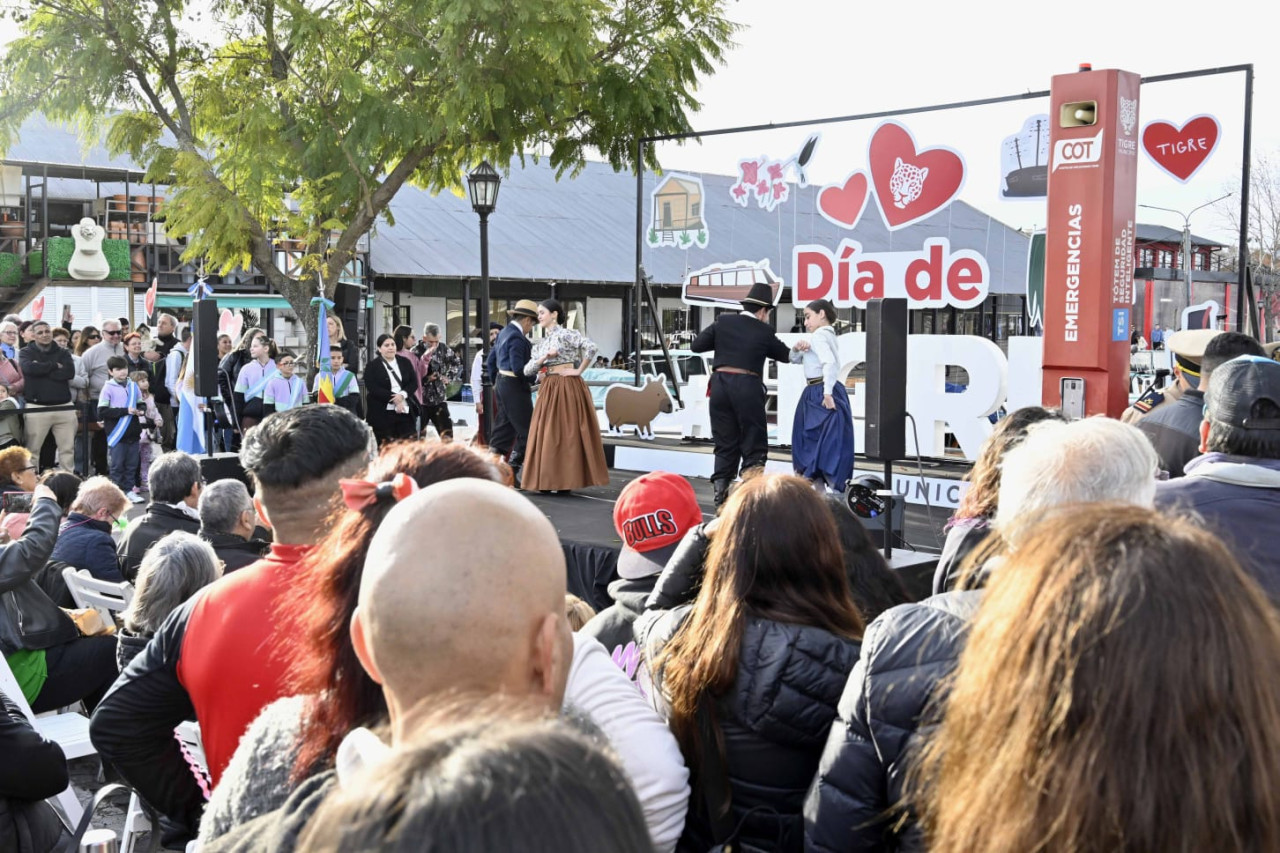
(1161, 234)
(583, 229)
(42, 141)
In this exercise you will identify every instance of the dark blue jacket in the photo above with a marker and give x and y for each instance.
(908, 653)
(85, 543)
(513, 351)
(1239, 499)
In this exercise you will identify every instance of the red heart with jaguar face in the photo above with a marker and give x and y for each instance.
(843, 203)
(911, 185)
(1181, 151)
(37, 308)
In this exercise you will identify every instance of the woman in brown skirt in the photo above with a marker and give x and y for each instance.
(565, 451)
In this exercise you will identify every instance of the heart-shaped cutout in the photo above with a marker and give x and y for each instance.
(911, 185)
(149, 300)
(37, 308)
(843, 203)
(1181, 151)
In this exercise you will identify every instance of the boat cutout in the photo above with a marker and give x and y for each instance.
(729, 283)
(1031, 143)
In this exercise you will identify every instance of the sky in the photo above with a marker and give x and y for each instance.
(805, 59)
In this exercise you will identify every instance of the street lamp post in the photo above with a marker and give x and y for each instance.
(1186, 240)
(482, 184)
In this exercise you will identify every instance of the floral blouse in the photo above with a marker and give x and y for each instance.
(574, 348)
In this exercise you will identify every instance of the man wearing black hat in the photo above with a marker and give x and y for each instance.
(513, 389)
(1235, 486)
(741, 342)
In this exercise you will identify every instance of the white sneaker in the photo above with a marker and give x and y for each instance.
(134, 498)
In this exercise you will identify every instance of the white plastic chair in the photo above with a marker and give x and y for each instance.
(136, 821)
(108, 597)
(69, 731)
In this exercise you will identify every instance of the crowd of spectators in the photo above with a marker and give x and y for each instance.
(381, 651)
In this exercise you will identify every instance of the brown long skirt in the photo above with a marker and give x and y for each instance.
(565, 450)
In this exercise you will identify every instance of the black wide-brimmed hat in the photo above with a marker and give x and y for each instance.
(761, 296)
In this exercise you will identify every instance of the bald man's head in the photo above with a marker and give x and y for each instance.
(463, 590)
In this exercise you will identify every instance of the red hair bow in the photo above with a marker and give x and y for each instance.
(358, 494)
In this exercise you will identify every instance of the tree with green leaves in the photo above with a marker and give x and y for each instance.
(269, 118)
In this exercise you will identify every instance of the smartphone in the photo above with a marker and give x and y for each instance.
(14, 502)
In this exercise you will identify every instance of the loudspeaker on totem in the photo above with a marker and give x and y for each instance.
(886, 424)
(204, 346)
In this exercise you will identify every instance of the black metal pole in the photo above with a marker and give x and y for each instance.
(466, 331)
(635, 316)
(486, 419)
(1244, 203)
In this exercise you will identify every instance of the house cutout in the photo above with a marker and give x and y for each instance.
(677, 207)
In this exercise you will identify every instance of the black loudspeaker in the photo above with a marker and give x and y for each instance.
(886, 425)
(348, 307)
(204, 346)
(223, 466)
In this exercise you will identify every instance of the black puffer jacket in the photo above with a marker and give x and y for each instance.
(906, 653)
(774, 718)
(33, 768)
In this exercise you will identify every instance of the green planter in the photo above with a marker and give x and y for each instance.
(62, 248)
(10, 270)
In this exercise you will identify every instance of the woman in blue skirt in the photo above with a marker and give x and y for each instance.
(822, 436)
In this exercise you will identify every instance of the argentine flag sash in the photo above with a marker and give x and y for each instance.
(132, 397)
(297, 392)
(269, 372)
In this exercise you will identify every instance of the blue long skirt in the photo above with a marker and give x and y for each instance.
(822, 439)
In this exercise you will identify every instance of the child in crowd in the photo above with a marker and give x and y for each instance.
(342, 382)
(122, 411)
(285, 391)
(10, 425)
(577, 610)
(151, 427)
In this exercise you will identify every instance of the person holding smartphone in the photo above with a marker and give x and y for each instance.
(53, 664)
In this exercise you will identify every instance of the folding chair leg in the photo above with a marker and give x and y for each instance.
(135, 823)
(70, 805)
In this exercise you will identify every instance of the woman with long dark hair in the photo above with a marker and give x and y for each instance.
(299, 736)
(970, 525)
(822, 432)
(229, 367)
(749, 674)
(565, 451)
(1118, 692)
(391, 385)
(874, 585)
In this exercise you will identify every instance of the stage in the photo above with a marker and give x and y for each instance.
(584, 522)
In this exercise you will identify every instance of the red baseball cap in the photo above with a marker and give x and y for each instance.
(652, 514)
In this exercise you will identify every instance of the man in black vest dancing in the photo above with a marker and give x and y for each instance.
(512, 388)
(741, 342)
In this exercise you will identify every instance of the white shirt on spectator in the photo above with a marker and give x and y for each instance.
(601, 692)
